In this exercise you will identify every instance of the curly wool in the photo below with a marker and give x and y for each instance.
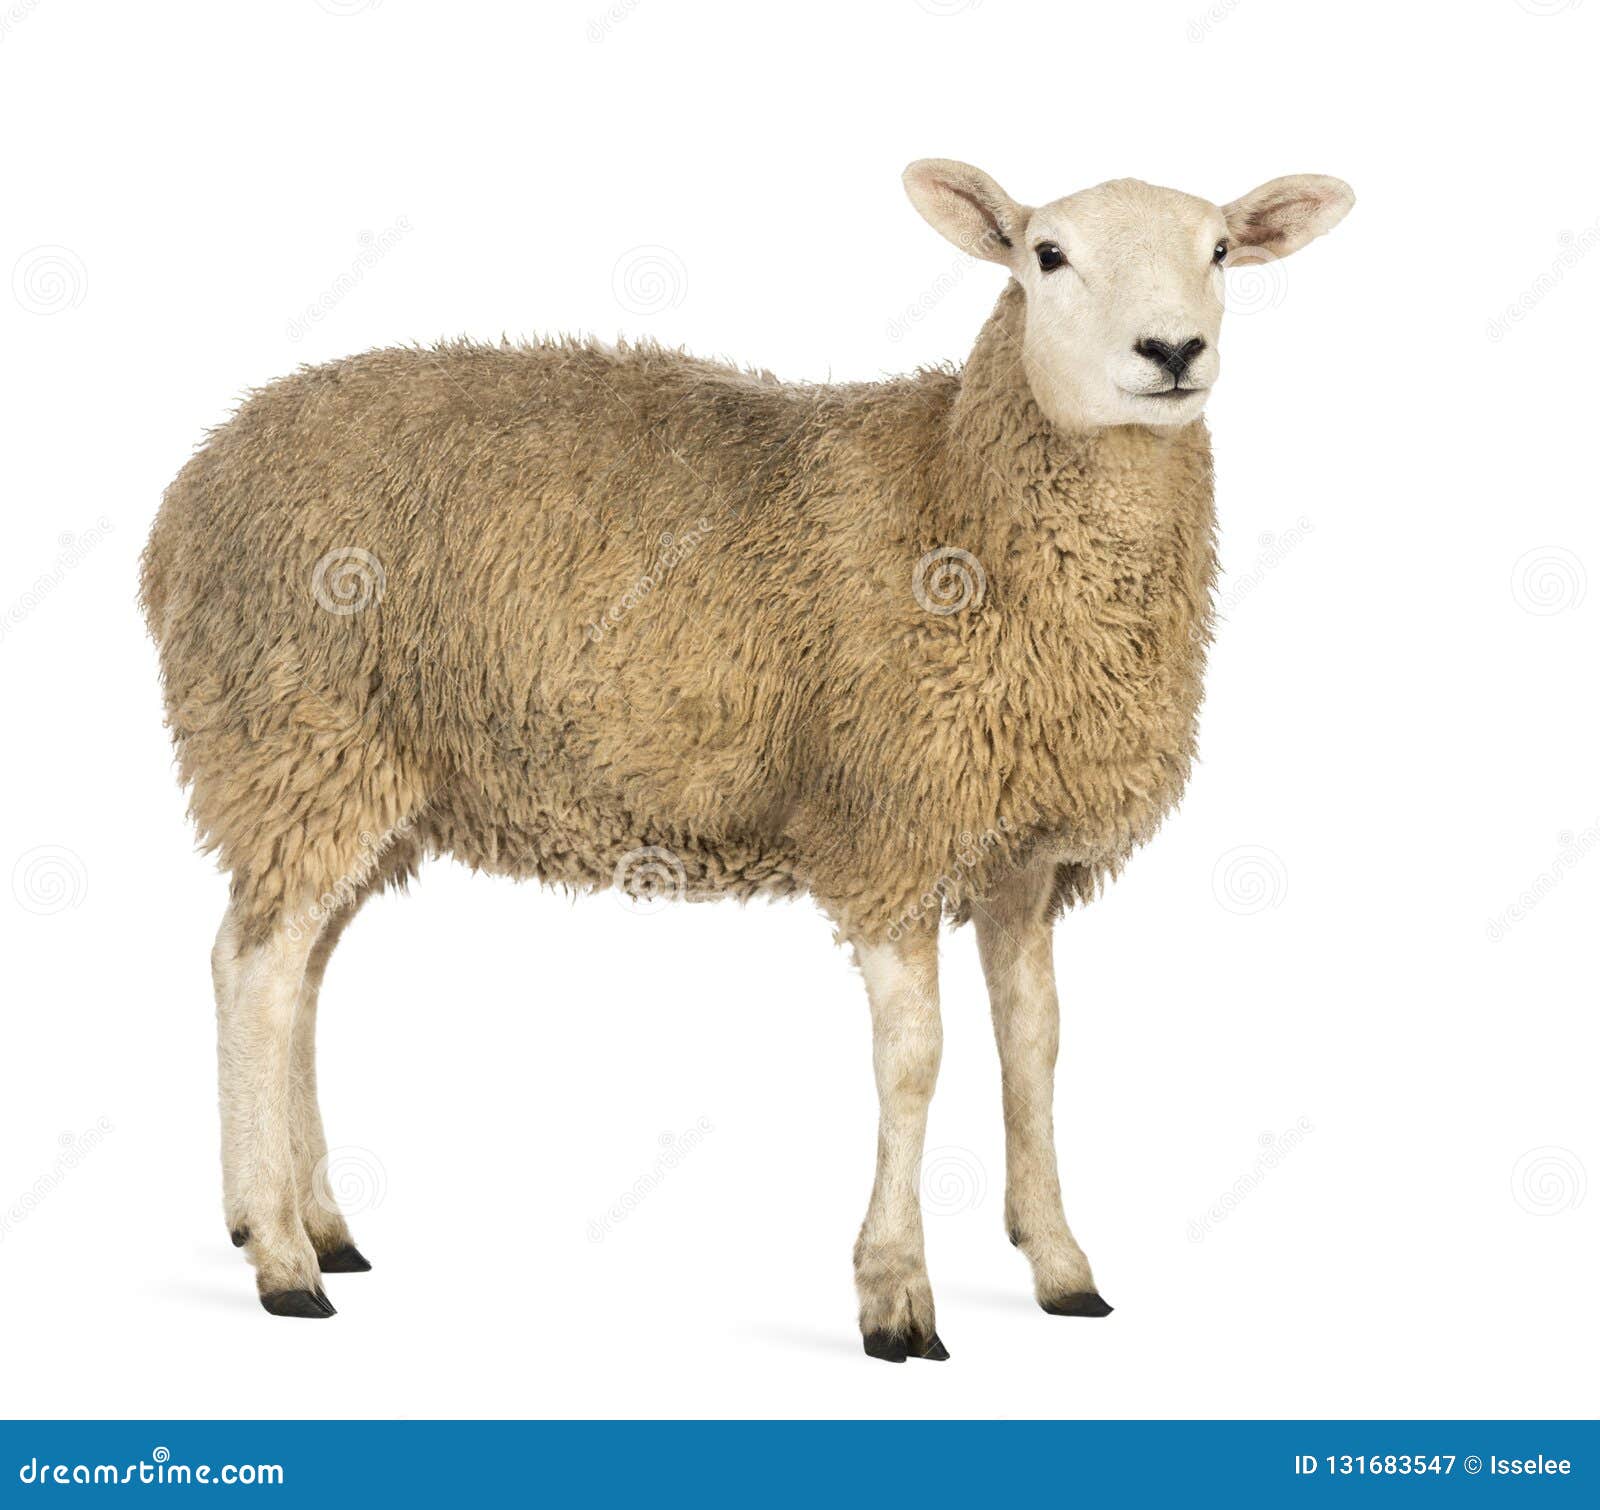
(580, 613)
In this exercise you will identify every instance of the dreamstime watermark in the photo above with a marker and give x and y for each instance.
(929, 299)
(675, 548)
(349, 1180)
(1575, 847)
(49, 879)
(599, 27)
(1575, 246)
(649, 878)
(970, 853)
(1548, 1181)
(1199, 27)
(49, 280)
(75, 549)
(675, 1148)
(1547, 7)
(1248, 879)
(926, 302)
(375, 246)
(948, 580)
(15, 14)
(1253, 280)
(348, 580)
(75, 1148)
(158, 1468)
(1275, 550)
(1548, 579)
(649, 280)
(1275, 1148)
(953, 1180)
(353, 882)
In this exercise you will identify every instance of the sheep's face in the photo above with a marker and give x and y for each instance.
(1124, 282)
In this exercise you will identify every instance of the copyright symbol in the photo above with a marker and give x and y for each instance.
(1473, 1465)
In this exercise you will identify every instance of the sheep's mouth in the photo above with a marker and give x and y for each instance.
(1165, 395)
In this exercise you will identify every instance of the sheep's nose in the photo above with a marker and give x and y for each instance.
(1175, 359)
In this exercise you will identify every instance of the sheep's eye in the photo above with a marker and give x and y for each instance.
(1219, 251)
(1050, 256)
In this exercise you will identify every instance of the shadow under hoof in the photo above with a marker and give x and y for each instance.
(895, 1349)
(1084, 1303)
(309, 1303)
(346, 1260)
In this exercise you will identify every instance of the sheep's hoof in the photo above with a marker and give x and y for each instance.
(240, 1236)
(896, 1349)
(1084, 1303)
(310, 1303)
(346, 1260)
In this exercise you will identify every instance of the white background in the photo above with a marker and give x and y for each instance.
(1398, 744)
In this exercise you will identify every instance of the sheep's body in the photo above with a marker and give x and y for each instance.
(634, 601)
(917, 648)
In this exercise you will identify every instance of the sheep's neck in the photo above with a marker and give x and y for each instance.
(1003, 457)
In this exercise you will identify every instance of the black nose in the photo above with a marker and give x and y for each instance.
(1175, 359)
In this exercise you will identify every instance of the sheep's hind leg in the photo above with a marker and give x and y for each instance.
(324, 1222)
(897, 1319)
(319, 1212)
(258, 976)
(1014, 943)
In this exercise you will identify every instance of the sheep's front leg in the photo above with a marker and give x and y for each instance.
(891, 1275)
(1014, 937)
(258, 985)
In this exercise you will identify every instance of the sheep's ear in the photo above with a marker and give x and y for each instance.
(1282, 216)
(967, 207)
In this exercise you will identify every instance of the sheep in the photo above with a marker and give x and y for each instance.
(927, 649)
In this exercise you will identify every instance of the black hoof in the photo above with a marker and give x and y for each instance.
(240, 1236)
(884, 1345)
(345, 1260)
(1084, 1303)
(311, 1303)
(896, 1349)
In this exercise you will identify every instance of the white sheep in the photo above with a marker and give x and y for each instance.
(923, 647)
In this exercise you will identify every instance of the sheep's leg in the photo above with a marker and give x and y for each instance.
(258, 980)
(319, 1212)
(891, 1277)
(325, 1224)
(1014, 939)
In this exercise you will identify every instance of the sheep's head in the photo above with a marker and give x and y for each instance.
(1124, 282)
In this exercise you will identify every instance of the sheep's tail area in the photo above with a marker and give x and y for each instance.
(153, 563)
